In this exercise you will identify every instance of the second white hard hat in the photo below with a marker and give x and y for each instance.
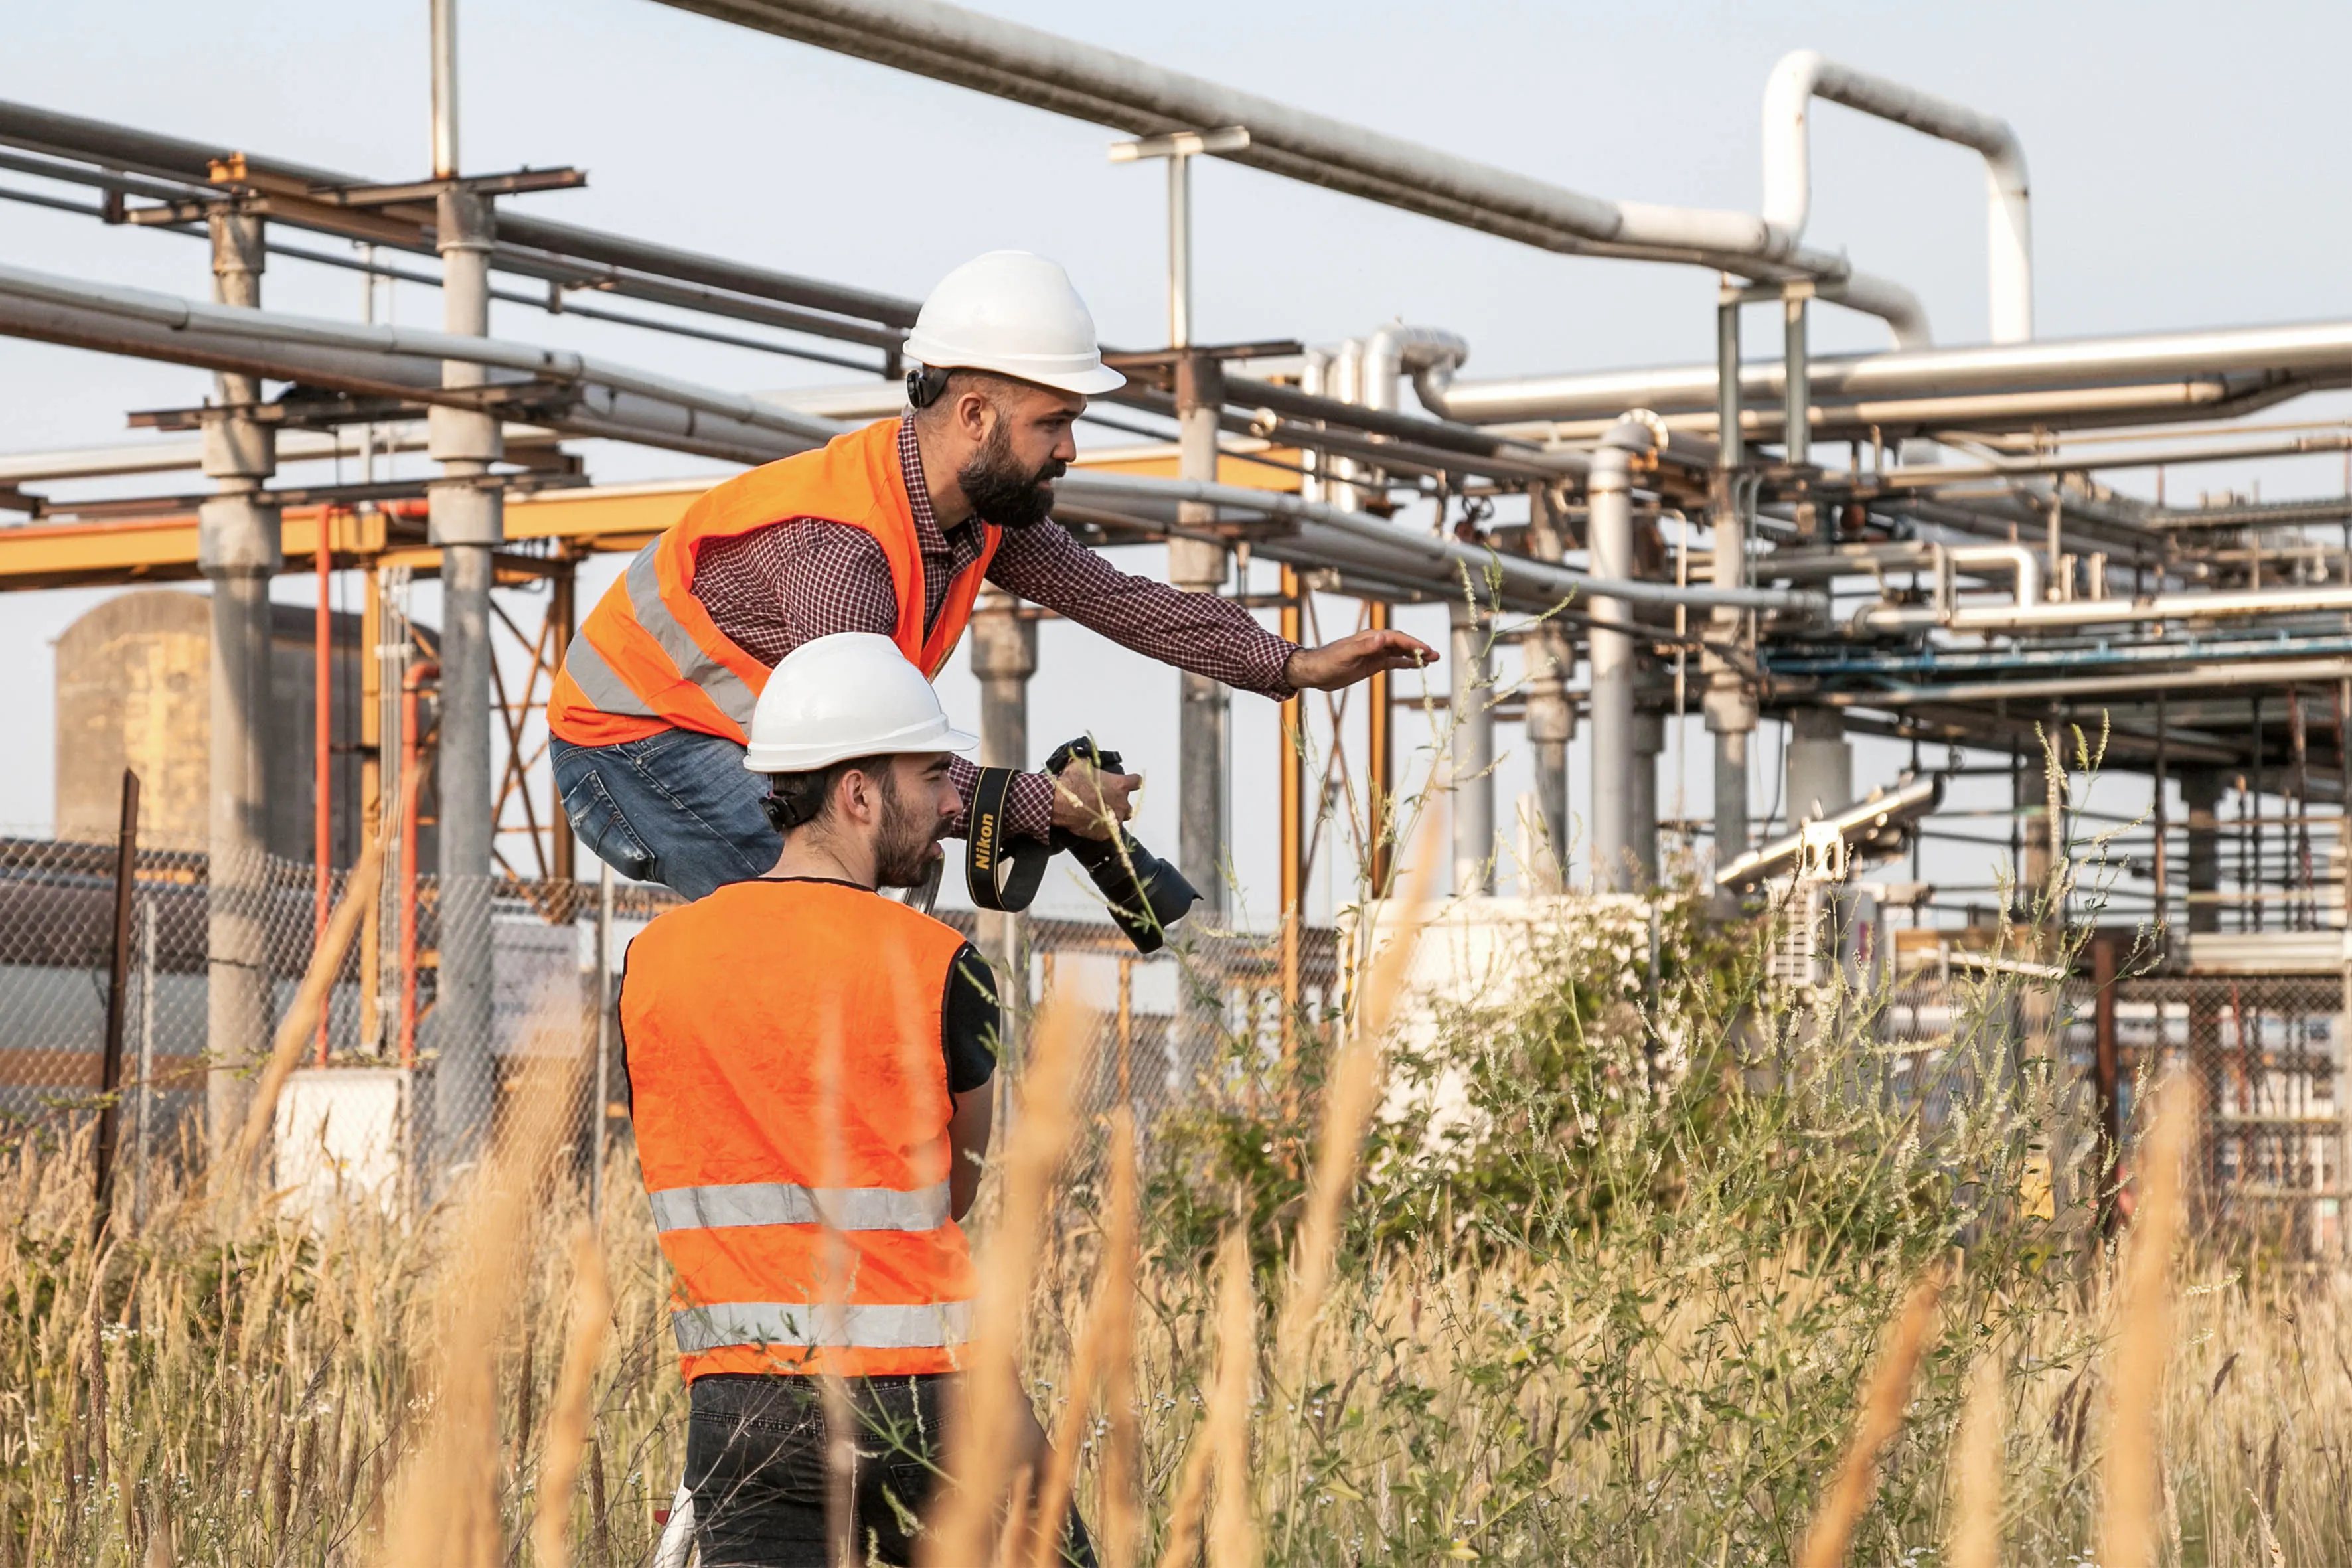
(1016, 314)
(852, 694)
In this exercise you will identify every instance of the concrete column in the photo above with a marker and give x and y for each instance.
(1729, 705)
(1550, 721)
(238, 551)
(1642, 795)
(1821, 763)
(467, 523)
(1470, 769)
(2201, 790)
(1550, 726)
(1615, 862)
(1199, 566)
(1003, 658)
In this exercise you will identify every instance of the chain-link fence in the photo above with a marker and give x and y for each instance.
(212, 970)
(2265, 1053)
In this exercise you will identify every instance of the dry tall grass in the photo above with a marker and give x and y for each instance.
(1632, 1319)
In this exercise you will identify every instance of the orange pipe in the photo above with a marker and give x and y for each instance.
(323, 747)
(412, 756)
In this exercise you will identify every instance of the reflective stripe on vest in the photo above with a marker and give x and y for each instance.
(648, 656)
(734, 1059)
(734, 697)
(933, 1325)
(608, 692)
(783, 1203)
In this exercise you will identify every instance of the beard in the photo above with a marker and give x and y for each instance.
(907, 843)
(1003, 492)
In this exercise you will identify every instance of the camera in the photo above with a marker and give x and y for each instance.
(1145, 894)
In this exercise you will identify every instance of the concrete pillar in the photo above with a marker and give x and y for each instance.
(1550, 726)
(1003, 658)
(1642, 795)
(1615, 863)
(1550, 721)
(2201, 790)
(467, 523)
(238, 551)
(1729, 705)
(1731, 829)
(1821, 763)
(1470, 769)
(1199, 566)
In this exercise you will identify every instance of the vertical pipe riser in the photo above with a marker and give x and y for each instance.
(1611, 549)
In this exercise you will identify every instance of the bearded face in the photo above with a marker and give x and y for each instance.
(908, 840)
(1001, 489)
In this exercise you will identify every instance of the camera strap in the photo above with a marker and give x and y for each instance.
(1002, 872)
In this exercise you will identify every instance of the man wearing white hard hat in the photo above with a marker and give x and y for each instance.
(890, 531)
(809, 1065)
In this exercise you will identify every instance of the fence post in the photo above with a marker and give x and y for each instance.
(143, 1152)
(109, 1072)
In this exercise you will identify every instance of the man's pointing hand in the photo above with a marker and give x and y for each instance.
(1353, 657)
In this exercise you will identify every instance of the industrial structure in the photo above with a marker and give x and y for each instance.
(1913, 543)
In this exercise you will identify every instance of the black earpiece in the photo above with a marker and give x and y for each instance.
(926, 385)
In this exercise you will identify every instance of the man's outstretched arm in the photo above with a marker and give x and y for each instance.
(1198, 633)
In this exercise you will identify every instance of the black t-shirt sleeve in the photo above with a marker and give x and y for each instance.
(969, 1021)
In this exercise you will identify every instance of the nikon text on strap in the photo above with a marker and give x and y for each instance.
(1002, 873)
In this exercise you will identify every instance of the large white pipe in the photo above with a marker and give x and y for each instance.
(1804, 75)
(2105, 612)
(987, 54)
(2319, 354)
(1610, 533)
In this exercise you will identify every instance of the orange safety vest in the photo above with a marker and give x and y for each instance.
(649, 657)
(785, 1070)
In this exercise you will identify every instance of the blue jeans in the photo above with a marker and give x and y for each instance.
(678, 807)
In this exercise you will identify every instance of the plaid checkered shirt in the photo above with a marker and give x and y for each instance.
(772, 589)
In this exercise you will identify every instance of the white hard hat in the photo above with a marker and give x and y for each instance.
(852, 694)
(1017, 315)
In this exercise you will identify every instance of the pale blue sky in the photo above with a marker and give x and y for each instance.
(2184, 160)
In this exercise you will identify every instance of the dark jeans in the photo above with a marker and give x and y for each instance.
(677, 807)
(755, 1456)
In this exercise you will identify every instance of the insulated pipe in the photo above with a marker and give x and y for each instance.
(1329, 536)
(237, 550)
(2256, 673)
(947, 43)
(2107, 612)
(2320, 351)
(1804, 75)
(1616, 863)
(1470, 766)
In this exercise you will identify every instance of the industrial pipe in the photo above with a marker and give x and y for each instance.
(2201, 606)
(1804, 75)
(2317, 353)
(2269, 673)
(947, 43)
(593, 398)
(1329, 536)
(1616, 855)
